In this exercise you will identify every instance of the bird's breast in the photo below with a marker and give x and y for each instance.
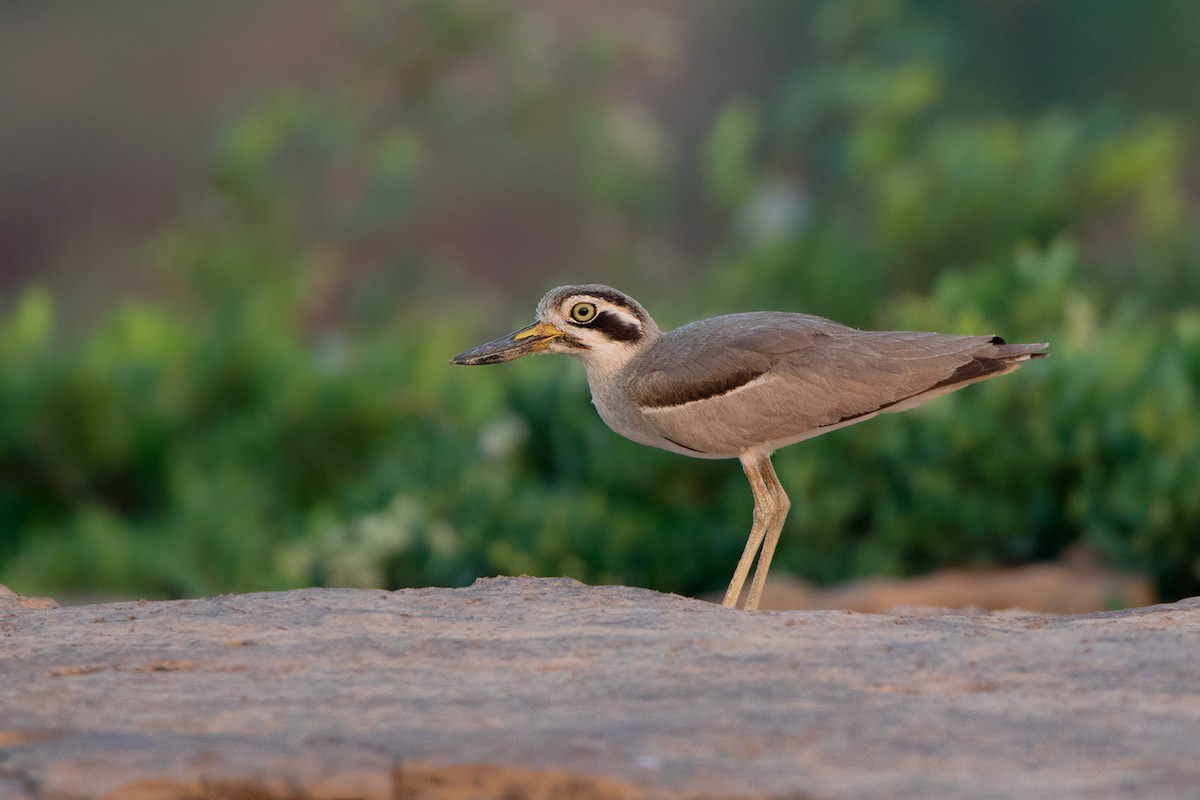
(624, 416)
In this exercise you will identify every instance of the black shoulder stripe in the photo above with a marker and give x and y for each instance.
(704, 390)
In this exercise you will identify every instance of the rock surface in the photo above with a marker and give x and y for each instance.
(527, 688)
(1076, 584)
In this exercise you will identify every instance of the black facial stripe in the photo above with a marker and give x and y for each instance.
(617, 299)
(616, 328)
(574, 341)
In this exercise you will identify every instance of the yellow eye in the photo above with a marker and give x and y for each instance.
(583, 313)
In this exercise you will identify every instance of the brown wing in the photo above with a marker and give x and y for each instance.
(730, 383)
(714, 356)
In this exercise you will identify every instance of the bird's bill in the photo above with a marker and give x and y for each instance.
(534, 339)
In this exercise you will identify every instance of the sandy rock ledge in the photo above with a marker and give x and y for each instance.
(529, 688)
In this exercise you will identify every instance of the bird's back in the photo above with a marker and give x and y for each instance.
(722, 386)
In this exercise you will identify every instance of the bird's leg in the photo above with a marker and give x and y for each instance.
(778, 513)
(763, 500)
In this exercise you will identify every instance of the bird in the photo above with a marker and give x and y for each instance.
(744, 385)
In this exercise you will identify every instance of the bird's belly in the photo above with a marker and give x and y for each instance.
(729, 425)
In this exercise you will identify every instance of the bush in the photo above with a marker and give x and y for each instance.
(245, 436)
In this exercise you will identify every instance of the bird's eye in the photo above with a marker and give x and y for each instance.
(583, 313)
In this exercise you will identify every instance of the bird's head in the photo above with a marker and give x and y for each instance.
(603, 327)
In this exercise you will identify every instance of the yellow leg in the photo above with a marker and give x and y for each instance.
(757, 531)
(768, 520)
(779, 511)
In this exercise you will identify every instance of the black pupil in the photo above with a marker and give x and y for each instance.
(583, 312)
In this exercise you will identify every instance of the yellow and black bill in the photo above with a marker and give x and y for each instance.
(534, 339)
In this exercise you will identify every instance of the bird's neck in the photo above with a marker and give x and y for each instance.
(605, 363)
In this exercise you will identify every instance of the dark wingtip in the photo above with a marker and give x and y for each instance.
(1009, 352)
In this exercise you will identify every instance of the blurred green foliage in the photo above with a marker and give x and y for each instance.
(232, 438)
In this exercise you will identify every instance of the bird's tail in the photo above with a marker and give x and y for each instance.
(1004, 351)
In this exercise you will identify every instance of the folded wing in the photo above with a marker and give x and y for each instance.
(779, 378)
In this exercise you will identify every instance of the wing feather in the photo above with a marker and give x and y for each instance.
(728, 383)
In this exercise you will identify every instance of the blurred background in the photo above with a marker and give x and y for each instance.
(240, 240)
